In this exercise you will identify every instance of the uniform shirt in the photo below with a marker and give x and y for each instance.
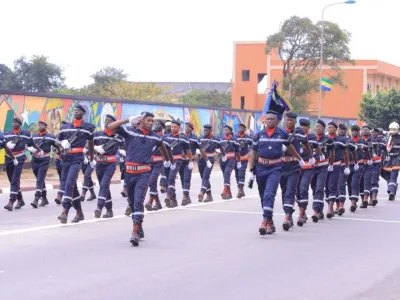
(177, 143)
(394, 145)
(210, 145)
(268, 143)
(229, 144)
(379, 145)
(139, 146)
(245, 142)
(156, 150)
(84, 133)
(102, 138)
(298, 137)
(311, 138)
(326, 144)
(2, 141)
(21, 139)
(341, 145)
(44, 141)
(194, 142)
(359, 145)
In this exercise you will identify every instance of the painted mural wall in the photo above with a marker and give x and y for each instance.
(31, 109)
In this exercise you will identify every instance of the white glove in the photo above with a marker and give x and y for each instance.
(356, 167)
(312, 161)
(209, 164)
(65, 144)
(302, 163)
(330, 168)
(173, 166)
(10, 145)
(369, 162)
(85, 160)
(198, 152)
(93, 163)
(322, 157)
(15, 161)
(252, 177)
(32, 149)
(122, 152)
(387, 158)
(167, 164)
(218, 151)
(346, 171)
(238, 164)
(134, 119)
(99, 149)
(41, 153)
(121, 160)
(374, 155)
(85, 150)
(223, 159)
(190, 165)
(284, 148)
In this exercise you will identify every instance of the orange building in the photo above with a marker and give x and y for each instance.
(251, 65)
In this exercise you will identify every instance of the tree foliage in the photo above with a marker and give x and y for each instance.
(382, 109)
(298, 46)
(212, 98)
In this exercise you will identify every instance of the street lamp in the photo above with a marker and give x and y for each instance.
(322, 51)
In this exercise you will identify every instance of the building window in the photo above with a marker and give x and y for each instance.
(245, 75)
(242, 102)
(262, 83)
(369, 86)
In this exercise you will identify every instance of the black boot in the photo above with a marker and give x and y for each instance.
(9, 206)
(64, 216)
(35, 202)
(44, 201)
(135, 238)
(78, 217)
(108, 214)
(20, 204)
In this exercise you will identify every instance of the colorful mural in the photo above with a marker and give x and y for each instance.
(53, 110)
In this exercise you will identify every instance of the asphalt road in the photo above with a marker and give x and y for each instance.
(204, 251)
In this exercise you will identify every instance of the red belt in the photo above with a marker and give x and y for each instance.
(134, 168)
(289, 159)
(267, 161)
(156, 158)
(107, 159)
(75, 150)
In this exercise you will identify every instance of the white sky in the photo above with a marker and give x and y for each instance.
(176, 40)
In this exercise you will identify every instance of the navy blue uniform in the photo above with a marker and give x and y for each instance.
(393, 165)
(230, 147)
(88, 184)
(184, 173)
(338, 167)
(342, 181)
(245, 142)
(209, 145)
(379, 146)
(366, 179)
(72, 160)
(326, 144)
(21, 139)
(307, 172)
(156, 167)
(106, 166)
(291, 170)
(268, 146)
(139, 150)
(40, 164)
(359, 145)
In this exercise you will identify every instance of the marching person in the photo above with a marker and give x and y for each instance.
(73, 138)
(393, 159)
(58, 161)
(291, 167)
(341, 188)
(140, 143)
(229, 159)
(88, 184)
(379, 148)
(16, 140)
(165, 171)
(106, 145)
(209, 144)
(245, 142)
(366, 179)
(40, 163)
(179, 145)
(267, 150)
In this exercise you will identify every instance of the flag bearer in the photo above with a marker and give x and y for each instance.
(106, 145)
(16, 140)
(245, 142)
(140, 143)
(73, 138)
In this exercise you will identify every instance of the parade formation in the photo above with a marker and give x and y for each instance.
(332, 161)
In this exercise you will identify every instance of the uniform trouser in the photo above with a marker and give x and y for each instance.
(205, 174)
(39, 168)
(288, 181)
(376, 171)
(186, 176)
(137, 185)
(227, 168)
(172, 178)
(14, 177)
(317, 185)
(240, 174)
(355, 176)
(366, 180)
(303, 187)
(333, 181)
(87, 178)
(164, 176)
(58, 168)
(393, 181)
(155, 172)
(105, 172)
(341, 188)
(268, 181)
(69, 176)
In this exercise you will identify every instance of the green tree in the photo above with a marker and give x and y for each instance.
(382, 109)
(37, 74)
(108, 75)
(212, 98)
(6, 77)
(298, 46)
